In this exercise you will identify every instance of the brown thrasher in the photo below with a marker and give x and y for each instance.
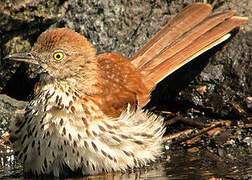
(87, 114)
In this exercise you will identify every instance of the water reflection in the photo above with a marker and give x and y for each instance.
(175, 165)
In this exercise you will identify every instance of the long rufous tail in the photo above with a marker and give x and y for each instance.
(190, 33)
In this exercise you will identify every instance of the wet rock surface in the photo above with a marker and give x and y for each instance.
(215, 86)
(8, 106)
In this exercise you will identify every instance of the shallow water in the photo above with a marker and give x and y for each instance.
(175, 165)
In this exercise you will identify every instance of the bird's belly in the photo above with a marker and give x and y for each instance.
(62, 129)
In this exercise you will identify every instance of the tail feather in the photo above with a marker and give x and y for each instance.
(200, 45)
(186, 39)
(190, 33)
(176, 27)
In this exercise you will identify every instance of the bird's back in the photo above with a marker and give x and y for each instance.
(122, 84)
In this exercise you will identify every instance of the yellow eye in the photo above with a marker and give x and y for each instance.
(58, 56)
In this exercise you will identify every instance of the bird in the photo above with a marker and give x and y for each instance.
(87, 115)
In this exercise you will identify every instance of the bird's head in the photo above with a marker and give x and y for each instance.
(62, 53)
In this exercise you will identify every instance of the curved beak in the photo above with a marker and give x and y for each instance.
(23, 57)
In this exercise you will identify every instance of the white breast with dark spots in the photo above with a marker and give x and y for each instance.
(60, 129)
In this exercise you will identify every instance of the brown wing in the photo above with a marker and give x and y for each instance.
(190, 33)
(122, 84)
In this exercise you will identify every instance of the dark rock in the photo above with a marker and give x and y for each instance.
(8, 106)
